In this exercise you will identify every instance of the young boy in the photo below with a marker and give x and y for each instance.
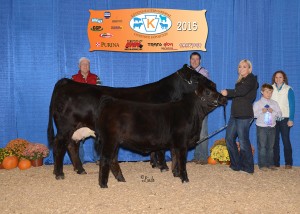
(266, 111)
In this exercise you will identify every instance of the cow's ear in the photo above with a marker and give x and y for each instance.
(213, 85)
(185, 72)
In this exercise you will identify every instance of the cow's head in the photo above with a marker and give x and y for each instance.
(209, 97)
(191, 76)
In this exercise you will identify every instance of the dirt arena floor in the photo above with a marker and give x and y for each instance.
(212, 189)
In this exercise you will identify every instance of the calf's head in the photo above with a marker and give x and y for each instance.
(209, 97)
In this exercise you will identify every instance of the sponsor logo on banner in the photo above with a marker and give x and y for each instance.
(109, 44)
(190, 45)
(95, 20)
(147, 30)
(106, 35)
(150, 23)
(107, 14)
(168, 46)
(152, 44)
(134, 45)
(96, 28)
(116, 27)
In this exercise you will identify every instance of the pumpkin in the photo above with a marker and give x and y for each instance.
(212, 161)
(24, 164)
(10, 162)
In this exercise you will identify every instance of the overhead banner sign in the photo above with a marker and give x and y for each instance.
(147, 30)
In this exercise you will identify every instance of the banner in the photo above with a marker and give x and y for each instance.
(147, 30)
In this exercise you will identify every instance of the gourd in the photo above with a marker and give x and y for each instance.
(10, 162)
(24, 164)
(212, 161)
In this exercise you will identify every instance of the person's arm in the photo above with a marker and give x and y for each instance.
(98, 82)
(291, 98)
(242, 89)
(257, 109)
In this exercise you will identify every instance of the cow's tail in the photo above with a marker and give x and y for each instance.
(104, 100)
(50, 130)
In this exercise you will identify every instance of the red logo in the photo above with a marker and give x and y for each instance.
(134, 45)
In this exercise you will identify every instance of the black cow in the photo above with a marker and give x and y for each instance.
(73, 106)
(144, 128)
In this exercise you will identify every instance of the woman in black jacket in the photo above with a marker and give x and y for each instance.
(243, 96)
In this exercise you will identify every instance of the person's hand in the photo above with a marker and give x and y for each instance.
(264, 110)
(290, 123)
(270, 110)
(224, 92)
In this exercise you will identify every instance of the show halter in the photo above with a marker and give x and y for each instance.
(218, 130)
(215, 132)
(188, 81)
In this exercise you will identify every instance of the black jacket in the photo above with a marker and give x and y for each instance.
(243, 96)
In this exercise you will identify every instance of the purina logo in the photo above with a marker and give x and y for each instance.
(107, 14)
(150, 23)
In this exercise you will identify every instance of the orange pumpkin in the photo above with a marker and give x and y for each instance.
(24, 164)
(212, 161)
(10, 162)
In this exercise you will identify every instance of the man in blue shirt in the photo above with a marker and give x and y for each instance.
(201, 150)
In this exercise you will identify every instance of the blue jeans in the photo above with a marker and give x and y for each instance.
(283, 129)
(201, 150)
(265, 144)
(242, 160)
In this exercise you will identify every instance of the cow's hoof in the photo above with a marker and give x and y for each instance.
(103, 186)
(164, 169)
(60, 177)
(185, 180)
(121, 179)
(83, 172)
(175, 174)
(154, 164)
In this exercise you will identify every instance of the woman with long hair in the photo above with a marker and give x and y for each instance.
(284, 95)
(243, 96)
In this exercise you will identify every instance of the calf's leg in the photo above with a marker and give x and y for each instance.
(158, 160)
(59, 151)
(153, 160)
(73, 150)
(181, 159)
(175, 170)
(116, 170)
(108, 153)
(104, 171)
